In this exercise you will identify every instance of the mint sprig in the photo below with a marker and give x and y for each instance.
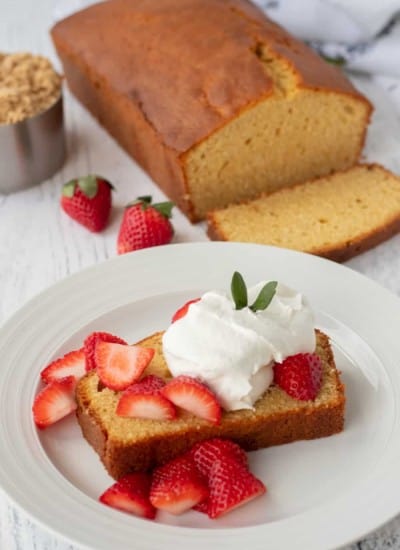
(240, 297)
(264, 297)
(239, 291)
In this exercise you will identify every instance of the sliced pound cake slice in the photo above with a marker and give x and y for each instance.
(337, 216)
(129, 444)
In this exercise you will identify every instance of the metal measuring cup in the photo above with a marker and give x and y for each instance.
(33, 149)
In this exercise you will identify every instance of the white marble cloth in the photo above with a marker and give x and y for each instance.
(362, 34)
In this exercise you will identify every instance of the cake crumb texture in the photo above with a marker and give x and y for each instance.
(337, 217)
(129, 444)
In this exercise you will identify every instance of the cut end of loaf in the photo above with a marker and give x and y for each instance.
(129, 444)
(292, 135)
(336, 217)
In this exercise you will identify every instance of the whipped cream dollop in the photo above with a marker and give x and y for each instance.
(233, 351)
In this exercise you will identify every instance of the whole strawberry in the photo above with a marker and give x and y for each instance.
(144, 225)
(299, 375)
(87, 200)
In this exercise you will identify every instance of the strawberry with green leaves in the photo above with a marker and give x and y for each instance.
(88, 201)
(145, 224)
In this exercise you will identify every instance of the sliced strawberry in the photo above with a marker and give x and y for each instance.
(90, 343)
(193, 396)
(131, 494)
(54, 402)
(207, 452)
(119, 365)
(178, 486)
(144, 400)
(72, 364)
(299, 375)
(230, 485)
(183, 310)
(150, 383)
(202, 506)
(150, 406)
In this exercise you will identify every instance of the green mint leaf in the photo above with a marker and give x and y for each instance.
(165, 208)
(68, 189)
(265, 296)
(239, 291)
(88, 185)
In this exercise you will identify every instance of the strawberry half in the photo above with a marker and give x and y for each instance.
(119, 365)
(178, 486)
(144, 400)
(72, 364)
(183, 310)
(230, 486)
(54, 402)
(206, 453)
(87, 200)
(131, 494)
(90, 343)
(193, 396)
(144, 225)
(299, 375)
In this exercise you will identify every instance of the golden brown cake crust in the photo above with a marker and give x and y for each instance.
(165, 72)
(160, 92)
(142, 444)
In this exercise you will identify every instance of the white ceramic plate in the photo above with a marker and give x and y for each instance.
(321, 494)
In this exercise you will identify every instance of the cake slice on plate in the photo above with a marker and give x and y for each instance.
(274, 418)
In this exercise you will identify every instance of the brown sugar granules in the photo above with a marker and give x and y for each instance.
(28, 86)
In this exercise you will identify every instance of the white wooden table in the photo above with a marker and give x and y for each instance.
(39, 245)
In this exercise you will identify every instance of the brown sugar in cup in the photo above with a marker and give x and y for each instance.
(32, 143)
(28, 86)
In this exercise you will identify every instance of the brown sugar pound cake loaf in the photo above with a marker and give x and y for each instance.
(216, 102)
(336, 217)
(129, 444)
